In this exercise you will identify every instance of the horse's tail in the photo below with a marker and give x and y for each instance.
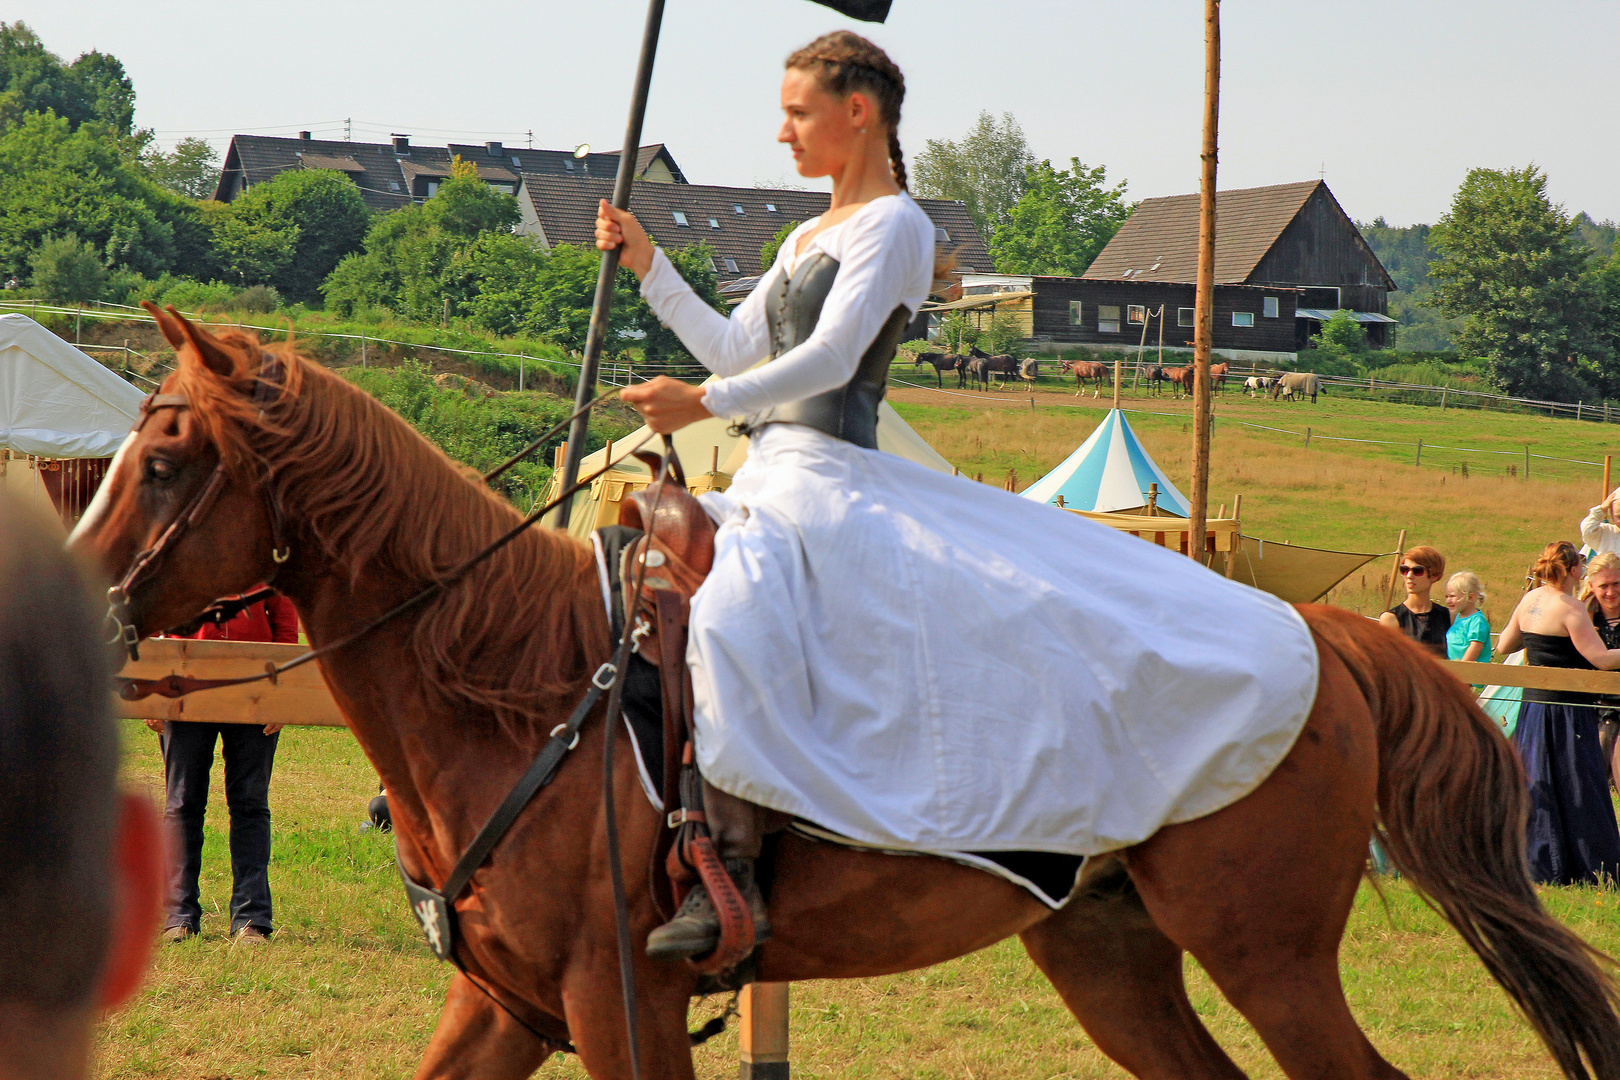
(1452, 802)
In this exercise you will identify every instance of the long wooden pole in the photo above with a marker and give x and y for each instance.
(1203, 339)
(602, 304)
(1607, 458)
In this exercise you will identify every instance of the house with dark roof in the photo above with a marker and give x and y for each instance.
(735, 221)
(1286, 258)
(398, 173)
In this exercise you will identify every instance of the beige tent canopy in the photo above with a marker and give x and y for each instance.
(1300, 575)
(711, 455)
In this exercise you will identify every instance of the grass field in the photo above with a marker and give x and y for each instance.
(1350, 496)
(348, 989)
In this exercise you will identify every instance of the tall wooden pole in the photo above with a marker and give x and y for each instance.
(1206, 282)
(601, 306)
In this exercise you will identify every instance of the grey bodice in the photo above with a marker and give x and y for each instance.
(846, 412)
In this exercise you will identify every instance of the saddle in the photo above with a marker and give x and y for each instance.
(670, 558)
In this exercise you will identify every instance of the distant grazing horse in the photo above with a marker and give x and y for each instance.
(1029, 369)
(1217, 374)
(1257, 384)
(452, 701)
(1181, 378)
(941, 363)
(1156, 377)
(1087, 370)
(1297, 384)
(1002, 364)
(977, 372)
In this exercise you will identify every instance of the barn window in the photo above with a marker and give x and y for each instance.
(1242, 318)
(1074, 313)
(1184, 316)
(731, 266)
(1108, 318)
(1269, 307)
(680, 219)
(1136, 313)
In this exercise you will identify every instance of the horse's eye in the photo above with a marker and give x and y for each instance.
(160, 471)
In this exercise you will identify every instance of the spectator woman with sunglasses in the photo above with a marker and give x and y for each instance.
(1419, 617)
(1573, 839)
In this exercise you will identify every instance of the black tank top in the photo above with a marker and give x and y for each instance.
(1555, 650)
(1428, 629)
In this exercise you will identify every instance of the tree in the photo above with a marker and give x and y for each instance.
(1513, 268)
(66, 268)
(1064, 218)
(56, 181)
(320, 217)
(191, 169)
(767, 253)
(32, 79)
(987, 170)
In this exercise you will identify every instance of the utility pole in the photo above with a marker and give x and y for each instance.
(1203, 339)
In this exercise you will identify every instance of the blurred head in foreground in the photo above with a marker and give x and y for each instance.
(80, 864)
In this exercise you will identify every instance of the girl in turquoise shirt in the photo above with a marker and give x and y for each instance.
(1470, 635)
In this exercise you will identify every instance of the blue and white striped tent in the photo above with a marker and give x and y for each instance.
(1110, 472)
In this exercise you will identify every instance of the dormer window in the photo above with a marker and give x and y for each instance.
(680, 219)
(737, 207)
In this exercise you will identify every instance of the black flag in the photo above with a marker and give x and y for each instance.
(869, 10)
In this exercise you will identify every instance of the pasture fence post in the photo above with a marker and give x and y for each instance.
(1579, 405)
(1527, 461)
(1395, 567)
(762, 1012)
(1307, 438)
(1442, 399)
(1419, 453)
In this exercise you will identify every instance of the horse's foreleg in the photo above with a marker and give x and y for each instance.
(475, 1038)
(1122, 979)
(595, 1007)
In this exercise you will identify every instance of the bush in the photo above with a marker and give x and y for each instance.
(68, 269)
(259, 298)
(188, 295)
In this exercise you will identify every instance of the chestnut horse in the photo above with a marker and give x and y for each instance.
(452, 701)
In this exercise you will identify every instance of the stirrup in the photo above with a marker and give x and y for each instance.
(695, 931)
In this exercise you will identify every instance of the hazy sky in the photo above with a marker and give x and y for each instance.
(1392, 100)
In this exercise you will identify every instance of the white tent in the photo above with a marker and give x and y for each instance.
(710, 454)
(56, 402)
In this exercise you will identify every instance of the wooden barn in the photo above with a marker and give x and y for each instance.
(1286, 257)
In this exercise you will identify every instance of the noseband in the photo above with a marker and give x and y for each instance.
(194, 512)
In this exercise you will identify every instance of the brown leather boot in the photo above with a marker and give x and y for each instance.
(695, 929)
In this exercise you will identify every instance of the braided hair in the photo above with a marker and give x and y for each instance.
(846, 62)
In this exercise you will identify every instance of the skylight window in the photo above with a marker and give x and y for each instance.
(714, 223)
(568, 163)
(731, 266)
(737, 207)
(770, 208)
(941, 236)
(680, 219)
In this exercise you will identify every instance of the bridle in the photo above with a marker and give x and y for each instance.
(146, 563)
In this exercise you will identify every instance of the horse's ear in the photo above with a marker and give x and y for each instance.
(169, 324)
(214, 355)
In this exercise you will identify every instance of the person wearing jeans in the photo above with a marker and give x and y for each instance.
(249, 751)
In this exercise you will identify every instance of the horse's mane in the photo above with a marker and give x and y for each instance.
(516, 637)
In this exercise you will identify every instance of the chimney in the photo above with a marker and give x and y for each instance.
(304, 136)
(493, 148)
(402, 144)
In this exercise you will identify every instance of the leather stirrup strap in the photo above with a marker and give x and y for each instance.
(736, 921)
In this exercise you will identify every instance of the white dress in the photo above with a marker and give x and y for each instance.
(922, 662)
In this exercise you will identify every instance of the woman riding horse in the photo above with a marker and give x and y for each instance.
(793, 706)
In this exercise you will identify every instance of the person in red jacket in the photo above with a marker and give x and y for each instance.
(250, 752)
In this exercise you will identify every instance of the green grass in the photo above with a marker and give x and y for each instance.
(346, 987)
(1350, 496)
